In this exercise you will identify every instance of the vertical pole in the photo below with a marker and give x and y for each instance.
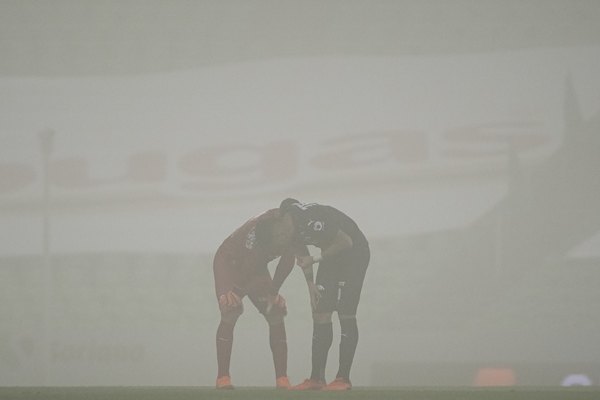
(46, 140)
(499, 243)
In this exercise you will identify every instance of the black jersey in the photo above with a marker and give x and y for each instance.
(317, 224)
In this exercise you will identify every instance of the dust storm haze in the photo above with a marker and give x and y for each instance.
(462, 136)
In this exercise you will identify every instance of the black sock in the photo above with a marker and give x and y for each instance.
(348, 342)
(321, 342)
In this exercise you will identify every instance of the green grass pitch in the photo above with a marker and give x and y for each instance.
(204, 393)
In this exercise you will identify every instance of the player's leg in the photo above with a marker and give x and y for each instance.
(322, 337)
(278, 344)
(348, 344)
(349, 296)
(231, 308)
(224, 343)
(321, 343)
(277, 336)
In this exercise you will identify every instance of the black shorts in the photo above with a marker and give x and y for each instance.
(340, 280)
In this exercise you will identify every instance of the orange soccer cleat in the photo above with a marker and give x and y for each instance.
(283, 383)
(309, 384)
(339, 384)
(224, 382)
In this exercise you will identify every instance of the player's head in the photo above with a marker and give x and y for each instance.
(287, 204)
(275, 232)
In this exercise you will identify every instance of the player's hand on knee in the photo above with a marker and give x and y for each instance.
(233, 299)
(230, 299)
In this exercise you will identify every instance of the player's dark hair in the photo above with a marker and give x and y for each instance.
(287, 204)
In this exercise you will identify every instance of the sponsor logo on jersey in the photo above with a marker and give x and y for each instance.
(316, 226)
(251, 239)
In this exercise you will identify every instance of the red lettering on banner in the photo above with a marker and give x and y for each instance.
(74, 172)
(490, 139)
(222, 167)
(372, 149)
(242, 166)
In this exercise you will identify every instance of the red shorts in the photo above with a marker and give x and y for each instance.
(243, 280)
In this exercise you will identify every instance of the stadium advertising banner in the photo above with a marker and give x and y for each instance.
(233, 133)
(147, 174)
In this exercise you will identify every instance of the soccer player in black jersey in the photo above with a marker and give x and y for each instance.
(342, 263)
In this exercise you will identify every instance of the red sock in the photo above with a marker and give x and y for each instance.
(224, 345)
(278, 342)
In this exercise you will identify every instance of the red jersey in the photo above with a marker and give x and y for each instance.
(240, 262)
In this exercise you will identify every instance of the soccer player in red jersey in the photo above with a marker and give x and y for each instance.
(240, 269)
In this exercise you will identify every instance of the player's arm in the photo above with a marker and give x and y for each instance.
(313, 292)
(282, 271)
(341, 241)
(302, 251)
(286, 264)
